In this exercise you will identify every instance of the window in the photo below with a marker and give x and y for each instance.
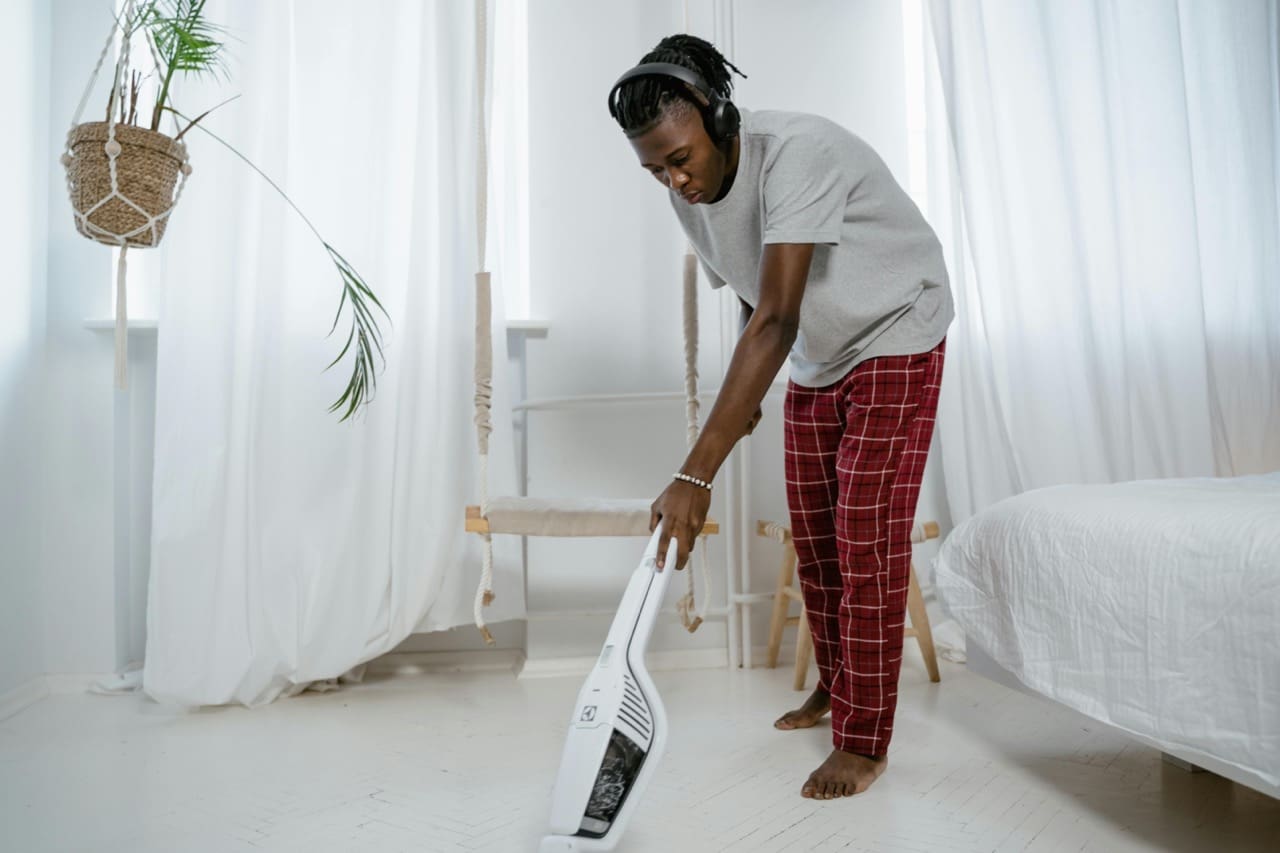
(508, 238)
(913, 47)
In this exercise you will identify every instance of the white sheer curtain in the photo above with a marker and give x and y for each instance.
(1105, 181)
(288, 547)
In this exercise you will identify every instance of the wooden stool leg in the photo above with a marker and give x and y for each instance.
(804, 647)
(780, 603)
(920, 621)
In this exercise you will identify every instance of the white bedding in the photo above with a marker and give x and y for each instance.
(1153, 606)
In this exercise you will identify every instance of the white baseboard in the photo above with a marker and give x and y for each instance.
(511, 660)
(63, 683)
(411, 663)
(23, 696)
(655, 662)
(660, 661)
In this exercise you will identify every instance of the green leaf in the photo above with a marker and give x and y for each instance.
(184, 42)
(347, 346)
(338, 315)
(355, 291)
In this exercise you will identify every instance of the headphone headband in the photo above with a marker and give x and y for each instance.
(719, 115)
(664, 69)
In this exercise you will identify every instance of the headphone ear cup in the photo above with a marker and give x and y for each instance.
(727, 121)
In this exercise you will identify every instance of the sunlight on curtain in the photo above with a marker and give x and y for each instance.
(288, 547)
(1107, 198)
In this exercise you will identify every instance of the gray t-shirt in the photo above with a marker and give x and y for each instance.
(877, 284)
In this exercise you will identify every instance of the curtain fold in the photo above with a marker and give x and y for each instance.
(1105, 185)
(288, 547)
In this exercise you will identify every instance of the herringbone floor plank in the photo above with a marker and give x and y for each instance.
(465, 762)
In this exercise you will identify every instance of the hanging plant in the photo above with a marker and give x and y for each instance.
(124, 180)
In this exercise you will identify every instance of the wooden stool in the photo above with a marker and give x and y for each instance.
(786, 593)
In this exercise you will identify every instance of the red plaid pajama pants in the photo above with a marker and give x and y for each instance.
(855, 455)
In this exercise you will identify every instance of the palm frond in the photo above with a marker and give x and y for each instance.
(356, 294)
(182, 41)
(364, 331)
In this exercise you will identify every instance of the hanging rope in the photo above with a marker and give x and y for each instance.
(153, 165)
(122, 321)
(484, 309)
(686, 604)
(690, 617)
(690, 307)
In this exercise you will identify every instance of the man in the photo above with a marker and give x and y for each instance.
(839, 271)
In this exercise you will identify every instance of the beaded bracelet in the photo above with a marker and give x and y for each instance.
(693, 480)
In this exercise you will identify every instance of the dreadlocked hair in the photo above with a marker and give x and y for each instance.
(644, 102)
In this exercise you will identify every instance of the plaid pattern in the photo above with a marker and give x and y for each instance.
(855, 455)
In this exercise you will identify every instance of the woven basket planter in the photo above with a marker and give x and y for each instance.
(148, 166)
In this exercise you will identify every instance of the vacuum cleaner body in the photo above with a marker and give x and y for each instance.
(618, 730)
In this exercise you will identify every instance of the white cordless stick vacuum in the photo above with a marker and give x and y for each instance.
(619, 727)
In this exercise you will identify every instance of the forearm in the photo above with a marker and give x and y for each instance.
(759, 355)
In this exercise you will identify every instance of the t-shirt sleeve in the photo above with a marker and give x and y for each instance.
(805, 193)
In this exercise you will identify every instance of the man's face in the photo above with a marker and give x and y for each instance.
(681, 156)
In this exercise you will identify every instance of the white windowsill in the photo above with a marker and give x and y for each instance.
(134, 324)
(533, 328)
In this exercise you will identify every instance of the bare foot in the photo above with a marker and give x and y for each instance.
(843, 774)
(813, 709)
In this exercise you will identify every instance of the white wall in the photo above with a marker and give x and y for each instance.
(23, 216)
(86, 563)
(72, 585)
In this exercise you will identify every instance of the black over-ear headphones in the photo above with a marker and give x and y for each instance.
(719, 115)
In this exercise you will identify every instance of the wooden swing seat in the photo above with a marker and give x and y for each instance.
(523, 516)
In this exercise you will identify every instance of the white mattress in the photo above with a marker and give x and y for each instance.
(1153, 606)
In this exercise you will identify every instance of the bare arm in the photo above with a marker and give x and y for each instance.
(759, 355)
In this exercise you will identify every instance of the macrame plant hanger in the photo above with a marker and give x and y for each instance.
(123, 180)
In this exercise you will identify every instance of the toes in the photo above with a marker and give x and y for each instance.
(818, 789)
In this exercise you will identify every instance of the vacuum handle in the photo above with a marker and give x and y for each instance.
(644, 598)
(651, 550)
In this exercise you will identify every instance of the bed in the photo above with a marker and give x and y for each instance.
(1152, 606)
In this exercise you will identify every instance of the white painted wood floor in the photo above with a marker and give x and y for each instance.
(466, 761)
